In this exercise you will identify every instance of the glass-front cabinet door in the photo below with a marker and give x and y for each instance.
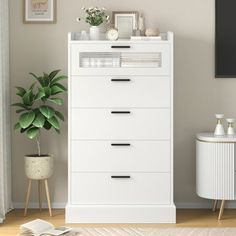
(122, 59)
(131, 60)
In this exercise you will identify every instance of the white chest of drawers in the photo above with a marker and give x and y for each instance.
(120, 131)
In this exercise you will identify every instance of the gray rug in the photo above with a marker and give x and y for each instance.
(133, 231)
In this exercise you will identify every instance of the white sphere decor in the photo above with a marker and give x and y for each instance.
(39, 168)
(152, 32)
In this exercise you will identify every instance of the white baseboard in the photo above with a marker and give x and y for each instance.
(203, 205)
(120, 214)
(34, 205)
(179, 205)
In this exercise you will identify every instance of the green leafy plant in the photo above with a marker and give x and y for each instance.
(35, 108)
(95, 16)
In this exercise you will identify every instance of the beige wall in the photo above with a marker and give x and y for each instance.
(197, 94)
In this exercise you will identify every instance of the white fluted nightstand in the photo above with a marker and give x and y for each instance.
(215, 168)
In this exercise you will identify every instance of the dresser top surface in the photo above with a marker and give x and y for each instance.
(210, 137)
(166, 38)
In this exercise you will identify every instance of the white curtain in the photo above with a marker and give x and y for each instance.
(5, 146)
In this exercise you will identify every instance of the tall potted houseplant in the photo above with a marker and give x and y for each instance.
(95, 17)
(35, 114)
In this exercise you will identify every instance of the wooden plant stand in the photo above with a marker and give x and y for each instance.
(39, 195)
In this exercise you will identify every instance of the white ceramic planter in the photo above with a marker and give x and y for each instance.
(39, 167)
(94, 33)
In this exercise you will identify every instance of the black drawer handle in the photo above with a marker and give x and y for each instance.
(120, 112)
(120, 80)
(120, 144)
(120, 177)
(121, 46)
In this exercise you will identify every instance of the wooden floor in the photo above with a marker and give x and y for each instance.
(185, 218)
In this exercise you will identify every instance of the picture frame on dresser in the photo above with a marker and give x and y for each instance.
(125, 22)
(39, 11)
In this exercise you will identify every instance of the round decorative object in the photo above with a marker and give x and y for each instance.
(39, 167)
(152, 32)
(112, 34)
(94, 33)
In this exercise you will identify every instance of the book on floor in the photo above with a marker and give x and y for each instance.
(41, 228)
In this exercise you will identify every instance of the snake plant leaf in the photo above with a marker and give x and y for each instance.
(21, 91)
(63, 88)
(47, 111)
(39, 121)
(59, 115)
(32, 132)
(57, 101)
(26, 119)
(46, 79)
(28, 98)
(17, 126)
(38, 78)
(35, 76)
(47, 91)
(32, 86)
(55, 80)
(54, 122)
(53, 74)
(57, 88)
(40, 94)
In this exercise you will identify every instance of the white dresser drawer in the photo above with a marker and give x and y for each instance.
(119, 46)
(140, 188)
(131, 124)
(122, 91)
(118, 156)
(102, 59)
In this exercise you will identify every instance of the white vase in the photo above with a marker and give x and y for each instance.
(39, 167)
(219, 130)
(94, 33)
(230, 130)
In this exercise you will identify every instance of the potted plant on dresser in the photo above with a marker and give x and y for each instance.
(35, 114)
(95, 17)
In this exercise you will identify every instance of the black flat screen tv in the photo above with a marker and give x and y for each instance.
(225, 39)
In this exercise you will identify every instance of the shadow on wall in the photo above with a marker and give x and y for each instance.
(193, 108)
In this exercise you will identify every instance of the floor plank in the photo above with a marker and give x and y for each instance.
(185, 218)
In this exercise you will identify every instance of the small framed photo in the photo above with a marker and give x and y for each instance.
(39, 11)
(125, 22)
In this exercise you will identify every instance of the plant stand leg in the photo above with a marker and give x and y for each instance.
(39, 195)
(214, 205)
(222, 206)
(27, 197)
(48, 197)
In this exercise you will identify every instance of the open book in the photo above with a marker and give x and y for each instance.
(41, 228)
